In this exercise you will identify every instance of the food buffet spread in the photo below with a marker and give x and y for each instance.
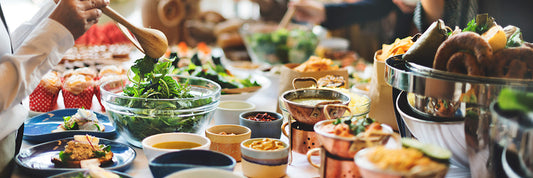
(461, 94)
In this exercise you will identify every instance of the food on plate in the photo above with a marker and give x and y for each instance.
(357, 127)
(266, 144)
(414, 159)
(111, 70)
(268, 44)
(427, 44)
(518, 61)
(215, 71)
(176, 145)
(83, 120)
(97, 172)
(464, 41)
(465, 63)
(78, 91)
(331, 81)
(108, 73)
(84, 151)
(101, 41)
(261, 117)
(151, 79)
(316, 64)
(44, 97)
(483, 48)
(399, 46)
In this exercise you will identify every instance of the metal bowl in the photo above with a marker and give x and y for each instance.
(447, 134)
(471, 97)
(312, 114)
(346, 147)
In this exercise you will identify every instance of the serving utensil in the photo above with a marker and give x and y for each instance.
(151, 42)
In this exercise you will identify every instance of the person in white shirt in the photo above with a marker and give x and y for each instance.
(31, 51)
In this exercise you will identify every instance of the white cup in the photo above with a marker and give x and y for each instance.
(228, 111)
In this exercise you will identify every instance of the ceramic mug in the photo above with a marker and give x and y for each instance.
(228, 111)
(228, 142)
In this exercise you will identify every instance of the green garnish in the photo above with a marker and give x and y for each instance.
(64, 156)
(480, 24)
(67, 125)
(356, 125)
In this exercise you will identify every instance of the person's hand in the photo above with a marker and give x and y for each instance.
(308, 11)
(78, 15)
(405, 8)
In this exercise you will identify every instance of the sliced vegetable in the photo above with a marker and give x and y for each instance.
(412, 143)
(436, 153)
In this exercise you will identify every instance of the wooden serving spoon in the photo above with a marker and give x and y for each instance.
(151, 42)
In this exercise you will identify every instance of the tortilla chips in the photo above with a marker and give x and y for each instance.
(316, 64)
(400, 46)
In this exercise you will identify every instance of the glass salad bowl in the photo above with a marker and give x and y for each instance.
(137, 118)
(267, 44)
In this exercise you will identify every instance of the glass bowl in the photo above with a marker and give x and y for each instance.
(266, 43)
(137, 118)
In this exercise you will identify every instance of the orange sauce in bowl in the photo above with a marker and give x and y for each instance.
(176, 145)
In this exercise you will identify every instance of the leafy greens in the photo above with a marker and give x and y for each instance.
(156, 106)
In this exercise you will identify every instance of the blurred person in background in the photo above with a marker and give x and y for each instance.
(29, 52)
(335, 16)
(460, 12)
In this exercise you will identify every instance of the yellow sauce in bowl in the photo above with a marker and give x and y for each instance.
(176, 145)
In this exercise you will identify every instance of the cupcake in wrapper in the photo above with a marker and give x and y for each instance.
(78, 91)
(86, 71)
(108, 73)
(44, 97)
(119, 79)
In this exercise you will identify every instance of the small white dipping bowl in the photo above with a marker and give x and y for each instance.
(152, 152)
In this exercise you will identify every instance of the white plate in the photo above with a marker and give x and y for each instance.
(263, 81)
(204, 173)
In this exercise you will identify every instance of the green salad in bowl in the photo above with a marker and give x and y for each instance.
(266, 43)
(153, 101)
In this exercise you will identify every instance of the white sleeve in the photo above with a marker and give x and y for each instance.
(22, 32)
(39, 53)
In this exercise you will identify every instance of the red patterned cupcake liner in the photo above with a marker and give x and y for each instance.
(99, 97)
(82, 100)
(42, 100)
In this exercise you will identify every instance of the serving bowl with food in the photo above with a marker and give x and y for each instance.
(456, 77)
(413, 159)
(153, 101)
(266, 43)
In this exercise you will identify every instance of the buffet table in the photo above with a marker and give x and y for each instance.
(264, 101)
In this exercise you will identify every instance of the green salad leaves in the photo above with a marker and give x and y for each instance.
(162, 102)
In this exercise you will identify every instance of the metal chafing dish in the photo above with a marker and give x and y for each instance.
(443, 96)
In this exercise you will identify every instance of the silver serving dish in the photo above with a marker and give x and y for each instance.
(469, 97)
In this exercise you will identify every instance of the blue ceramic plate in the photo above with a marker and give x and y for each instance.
(73, 174)
(36, 160)
(39, 128)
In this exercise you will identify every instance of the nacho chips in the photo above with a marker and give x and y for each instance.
(400, 46)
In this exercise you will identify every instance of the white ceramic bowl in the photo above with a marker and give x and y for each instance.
(204, 173)
(152, 152)
(228, 111)
(449, 135)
